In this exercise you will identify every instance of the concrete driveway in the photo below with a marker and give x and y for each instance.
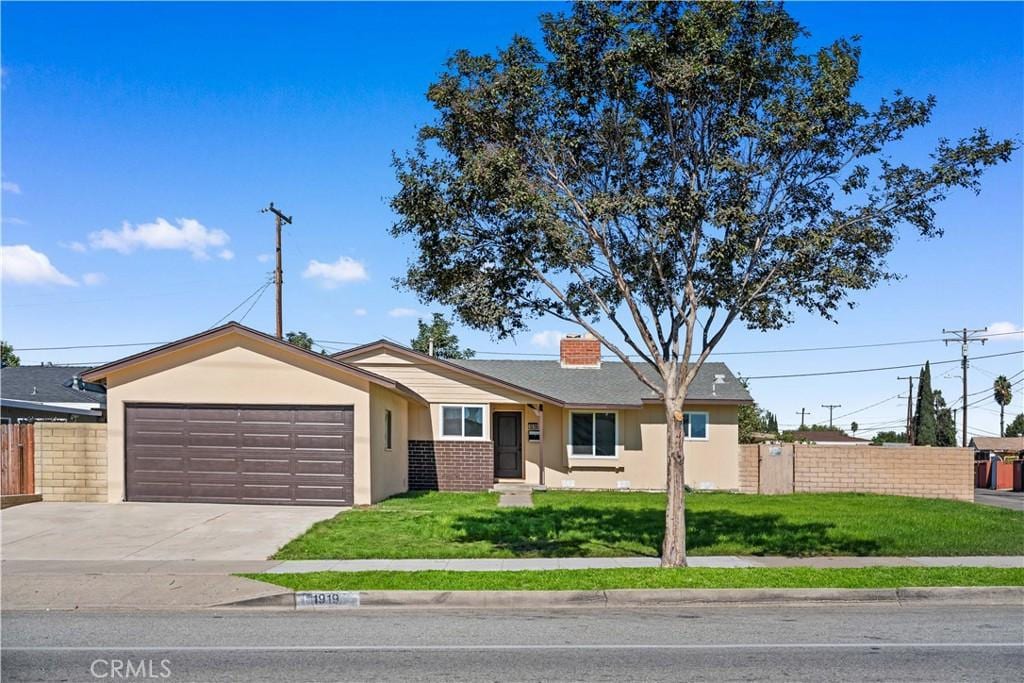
(152, 531)
(1011, 500)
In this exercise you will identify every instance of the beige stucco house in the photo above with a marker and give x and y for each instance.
(234, 415)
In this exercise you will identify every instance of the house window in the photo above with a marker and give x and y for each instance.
(387, 430)
(695, 426)
(592, 434)
(462, 422)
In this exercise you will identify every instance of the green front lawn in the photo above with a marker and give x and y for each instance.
(613, 524)
(608, 579)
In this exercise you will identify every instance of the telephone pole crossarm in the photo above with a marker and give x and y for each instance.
(964, 337)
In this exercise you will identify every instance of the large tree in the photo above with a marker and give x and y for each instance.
(925, 428)
(300, 339)
(1002, 393)
(658, 173)
(437, 339)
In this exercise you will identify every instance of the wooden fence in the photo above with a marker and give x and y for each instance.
(17, 459)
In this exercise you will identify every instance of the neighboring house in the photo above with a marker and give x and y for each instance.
(235, 415)
(828, 438)
(31, 393)
(986, 446)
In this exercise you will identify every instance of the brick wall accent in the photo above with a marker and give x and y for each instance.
(451, 465)
(920, 471)
(71, 461)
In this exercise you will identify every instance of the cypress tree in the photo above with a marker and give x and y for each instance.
(945, 429)
(925, 432)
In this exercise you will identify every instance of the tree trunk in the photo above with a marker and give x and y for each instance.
(673, 549)
(1002, 432)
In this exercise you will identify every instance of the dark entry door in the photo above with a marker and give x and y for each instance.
(285, 455)
(507, 432)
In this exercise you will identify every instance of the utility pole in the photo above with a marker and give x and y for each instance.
(279, 219)
(910, 408)
(801, 413)
(964, 338)
(830, 407)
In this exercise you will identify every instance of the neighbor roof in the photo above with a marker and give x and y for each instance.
(612, 384)
(45, 384)
(995, 443)
(833, 437)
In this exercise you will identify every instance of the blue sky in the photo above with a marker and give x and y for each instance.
(199, 114)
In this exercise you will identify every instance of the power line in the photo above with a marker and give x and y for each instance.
(255, 301)
(890, 367)
(258, 290)
(861, 410)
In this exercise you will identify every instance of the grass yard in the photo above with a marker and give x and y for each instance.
(615, 524)
(608, 579)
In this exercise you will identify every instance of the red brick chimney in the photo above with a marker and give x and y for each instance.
(580, 351)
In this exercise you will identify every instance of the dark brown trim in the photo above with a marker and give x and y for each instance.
(384, 343)
(102, 371)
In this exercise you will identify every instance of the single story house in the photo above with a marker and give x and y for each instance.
(30, 393)
(986, 446)
(235, 415)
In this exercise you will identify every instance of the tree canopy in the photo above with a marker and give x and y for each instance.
(924, 417)
(7, 356)
(300, 339)
(661, 171)
(437, 337)
(1002, 393)
(1016, 426)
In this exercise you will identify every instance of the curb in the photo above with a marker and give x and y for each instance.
(628, 598)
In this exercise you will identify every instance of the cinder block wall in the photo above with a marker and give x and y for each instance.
(748, 468)
(920, 471)
(71, 461)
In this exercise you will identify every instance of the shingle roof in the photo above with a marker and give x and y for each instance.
(45, 384)
(612, 384)
(996, 443)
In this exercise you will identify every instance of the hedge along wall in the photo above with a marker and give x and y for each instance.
(71, 461)
(919, 471)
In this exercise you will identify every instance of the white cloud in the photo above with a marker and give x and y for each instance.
(93, 279)
(263, 258)
(11, 220)
(547, 339)
(330, 275)
(226, 254)
(1003, 331)
(73, 246)
(359, 312)
(189, 235)
(13, 188)
(403, 312)
(23, 264)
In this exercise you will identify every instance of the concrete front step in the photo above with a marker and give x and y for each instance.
(516, 487)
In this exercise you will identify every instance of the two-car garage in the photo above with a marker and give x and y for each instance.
(299, 455)
(233, 415)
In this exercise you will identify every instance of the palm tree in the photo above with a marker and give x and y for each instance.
(1003, 394)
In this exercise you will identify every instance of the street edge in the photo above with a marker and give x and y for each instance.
(626, 598)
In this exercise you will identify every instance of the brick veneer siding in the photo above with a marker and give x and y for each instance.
(451, 465)
(71, 461)
(922, 472)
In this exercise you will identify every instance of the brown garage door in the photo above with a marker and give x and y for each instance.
(284, 455)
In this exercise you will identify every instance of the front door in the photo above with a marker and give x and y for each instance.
(507, 431)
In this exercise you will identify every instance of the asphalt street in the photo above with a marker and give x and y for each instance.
(845, 642)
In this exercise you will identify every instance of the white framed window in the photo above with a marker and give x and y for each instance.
(593, 434)
(462, 422)
(695, 426)
(387, 429)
